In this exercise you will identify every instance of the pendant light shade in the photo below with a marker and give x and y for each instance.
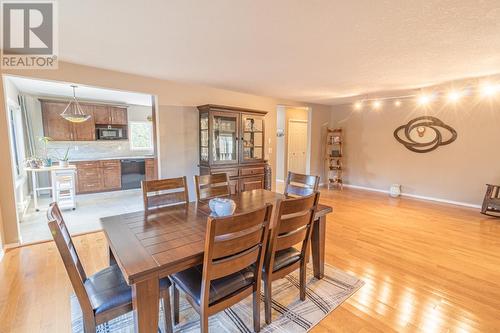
(73, 112)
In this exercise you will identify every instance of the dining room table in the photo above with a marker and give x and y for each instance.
(150, 245)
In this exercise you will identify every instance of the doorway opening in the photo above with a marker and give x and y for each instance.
(293, 146)
(92, 168)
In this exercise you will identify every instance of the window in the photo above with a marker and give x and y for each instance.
(141, 135)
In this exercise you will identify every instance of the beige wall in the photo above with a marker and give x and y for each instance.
(176, 142)
(456, 172)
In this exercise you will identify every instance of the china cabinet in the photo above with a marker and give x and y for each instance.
(232, 141)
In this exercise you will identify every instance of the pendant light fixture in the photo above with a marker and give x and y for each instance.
(73, 112)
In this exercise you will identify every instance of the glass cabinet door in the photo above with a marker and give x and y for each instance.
(224, 137)
(253, 138)
(204, 137)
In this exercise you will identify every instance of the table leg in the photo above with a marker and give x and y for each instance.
(112, 260)
(318, 247)
(34, 188)
(145, 298)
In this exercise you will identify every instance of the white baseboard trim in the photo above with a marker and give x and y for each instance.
(416, 196)
(280, 181)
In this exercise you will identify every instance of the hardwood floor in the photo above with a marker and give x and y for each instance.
(427, 267)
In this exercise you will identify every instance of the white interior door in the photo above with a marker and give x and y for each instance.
(297, 146)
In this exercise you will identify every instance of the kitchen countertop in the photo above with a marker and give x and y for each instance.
(110, 158)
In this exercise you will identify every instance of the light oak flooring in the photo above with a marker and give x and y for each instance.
(428, 268)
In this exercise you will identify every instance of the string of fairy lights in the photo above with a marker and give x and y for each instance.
(484, 90)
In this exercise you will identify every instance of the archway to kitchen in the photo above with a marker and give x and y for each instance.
(92, 168)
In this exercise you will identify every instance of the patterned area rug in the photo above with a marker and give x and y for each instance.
(289, 313)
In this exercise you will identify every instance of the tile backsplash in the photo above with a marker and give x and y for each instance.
(93, 149)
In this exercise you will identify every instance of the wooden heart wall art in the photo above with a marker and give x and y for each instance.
(425, 134)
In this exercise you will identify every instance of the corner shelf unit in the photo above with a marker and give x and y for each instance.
(333, 157)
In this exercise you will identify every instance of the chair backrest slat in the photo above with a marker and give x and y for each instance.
(235, 263)
(164, 192)
(70, 257)
(233, 243)
(294, 223)
(211, 186)
(299, 185)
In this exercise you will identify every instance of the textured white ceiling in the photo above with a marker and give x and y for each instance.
(314, 51)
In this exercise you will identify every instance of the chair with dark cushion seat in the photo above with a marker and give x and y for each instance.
(285, 257)
(232, 266)
(293, 225)
(212, 186)
(164, 192)
(104, 295)
(298, 185)
(491, 202)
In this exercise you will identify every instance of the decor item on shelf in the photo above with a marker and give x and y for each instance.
(333, 157)
(415, 134)
(33, 162)
(222, 206)
(491, 202)
(63, 161)
(46, 160)
(395, 190)
(73, 112)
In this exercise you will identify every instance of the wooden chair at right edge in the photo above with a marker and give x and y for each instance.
(298, 185)
(293, 225)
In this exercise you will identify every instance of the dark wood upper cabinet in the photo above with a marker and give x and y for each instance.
(102, 114)
(110, 115)
(85, 131)
(55, 126)
(59, 129)
(118, 115)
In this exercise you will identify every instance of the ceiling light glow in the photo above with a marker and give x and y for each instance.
(454, 96)
(377, 105)
(397, 103)
(489, 89)
(424, 99)
(358, 105)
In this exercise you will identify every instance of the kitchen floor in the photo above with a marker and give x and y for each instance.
(85, 218)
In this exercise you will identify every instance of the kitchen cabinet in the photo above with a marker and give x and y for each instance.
(150, 169)
(55, 126)
(84, 131)
(110, 115)
(98, 176)
(101, 114)
(111, 175)
(118, 115)
(59, 129)
(231, 140)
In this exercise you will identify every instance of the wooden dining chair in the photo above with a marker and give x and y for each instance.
(293, 225)
(232, 266)
(298, 185)
(164, 192)
(104, 295)
(211, 186)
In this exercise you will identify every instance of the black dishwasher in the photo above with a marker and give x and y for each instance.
(133, 172)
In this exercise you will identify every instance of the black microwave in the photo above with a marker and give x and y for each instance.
(111, 133)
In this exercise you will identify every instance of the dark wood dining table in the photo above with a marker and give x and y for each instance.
(148, 246)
